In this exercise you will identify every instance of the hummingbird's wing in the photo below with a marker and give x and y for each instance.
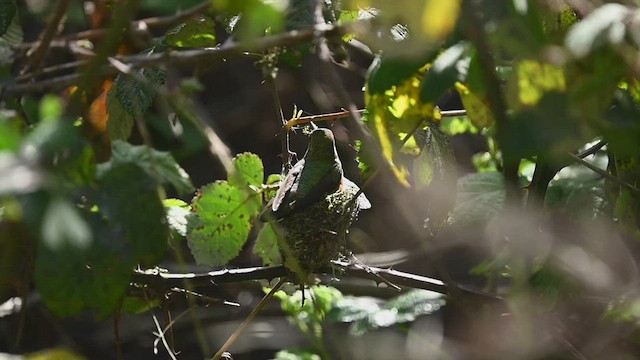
(302, 186)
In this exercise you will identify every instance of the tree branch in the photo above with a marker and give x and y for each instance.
(178, 57)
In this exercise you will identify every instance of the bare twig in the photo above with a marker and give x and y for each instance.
(44, 42)
(248, 319)
(177, 57)
(160, 335)
(151, 22)
(603, 173)
(345, 114)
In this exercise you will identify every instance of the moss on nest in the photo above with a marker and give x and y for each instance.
(311, 238)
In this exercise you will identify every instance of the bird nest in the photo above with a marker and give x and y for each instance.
(309, 239)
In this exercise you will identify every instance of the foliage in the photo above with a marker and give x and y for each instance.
(97, 127)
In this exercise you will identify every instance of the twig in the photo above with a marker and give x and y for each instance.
(345, 114)
(178, 57)
(160, 335)
(603, 173)
(50, 31)
(248, 319)
(151, 22)
(284, 134)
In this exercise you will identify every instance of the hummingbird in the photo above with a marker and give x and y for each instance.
(317, 175)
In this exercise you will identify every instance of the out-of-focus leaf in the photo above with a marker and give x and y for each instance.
(531, 79)
(221, 222)
(119, 122)
(480, 197)
(248, 171)
(296, 355)
(476, 105)
(131, 204)
(7, 13)
(367, 314)
(11, 34)
(63, 226)
(9, 132)
(577, 193)
(266, 246)
(195, 32)
(395, 113)
(54, 354)
(72, 279)
(255, 16)
(449, 67)
(158, 165)
(16, 177)
(605, 25)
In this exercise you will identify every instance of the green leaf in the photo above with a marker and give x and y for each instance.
(386, 72)
(195, 32)
(256, 17)
(366, 314)
(577, 192)
(248, 171)
(135, 96)
(450, 66)
(158, 165)
(131, 204)
(480, 197)
(120, 123)
(71, 279)
(266, 246)
(605, 24)
(7, 13)
(220, 224)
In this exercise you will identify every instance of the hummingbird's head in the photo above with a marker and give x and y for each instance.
(322, 144)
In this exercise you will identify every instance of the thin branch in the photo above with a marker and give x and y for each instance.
(50, 31)
(151, 22)
(346, 114)
(160, 335)
(177, 57)
(248, 319)
(603, 173)
(166, 280)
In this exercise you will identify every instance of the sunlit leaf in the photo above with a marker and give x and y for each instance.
(195, 32)
(137, 96)
(177, 213)
(476, 105)
(221, 222)
(531, 79)
(119, 122)
(248, 171)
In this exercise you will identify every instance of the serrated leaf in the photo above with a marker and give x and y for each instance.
(158, 165)
(177, 218)
(248, 171)
(195, 32)
(12, 34)
(414, 303)
(266, 246)
(119, 122)
(448, 68)
(605, 24)
(480, 197)
(436, 160)
(220, 224)
(135, 96)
